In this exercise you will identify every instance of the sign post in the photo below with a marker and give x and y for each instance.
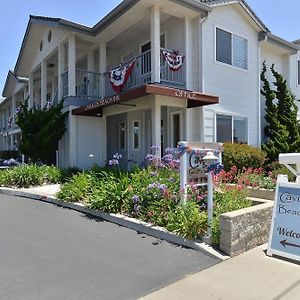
(284, 237)
(195, 162)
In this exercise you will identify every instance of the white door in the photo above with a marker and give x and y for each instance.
(136, 138)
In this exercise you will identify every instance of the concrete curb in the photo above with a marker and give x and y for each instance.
(134, 224)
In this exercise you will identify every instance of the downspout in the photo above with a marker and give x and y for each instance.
(201, 73)
(259, 136)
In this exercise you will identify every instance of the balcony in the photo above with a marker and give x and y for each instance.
(88, 84)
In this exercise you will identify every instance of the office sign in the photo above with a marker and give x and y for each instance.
(284, 238)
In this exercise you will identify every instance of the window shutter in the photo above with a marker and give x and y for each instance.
(223, 47)
(240, 50)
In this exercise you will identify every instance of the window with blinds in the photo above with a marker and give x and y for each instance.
(231, 49)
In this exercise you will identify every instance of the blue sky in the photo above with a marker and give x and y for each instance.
(281, 20)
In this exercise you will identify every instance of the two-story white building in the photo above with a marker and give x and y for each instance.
(151, 73)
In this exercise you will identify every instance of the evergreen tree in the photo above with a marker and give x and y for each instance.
(41, 131)
(282, 130)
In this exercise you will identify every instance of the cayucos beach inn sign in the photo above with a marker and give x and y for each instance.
(284, 238)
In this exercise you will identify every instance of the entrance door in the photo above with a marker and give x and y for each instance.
(176, 128)
(136, 141)
(117, 138)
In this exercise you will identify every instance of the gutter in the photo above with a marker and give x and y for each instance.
(273, 39)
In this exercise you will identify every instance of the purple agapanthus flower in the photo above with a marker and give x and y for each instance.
(135, 199)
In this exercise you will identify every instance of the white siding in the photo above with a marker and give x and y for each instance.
(237, 88)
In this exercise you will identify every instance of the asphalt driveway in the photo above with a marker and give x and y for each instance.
(47, 252)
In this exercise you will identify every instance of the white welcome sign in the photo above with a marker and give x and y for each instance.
(284, 238)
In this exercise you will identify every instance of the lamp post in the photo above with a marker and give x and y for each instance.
(210, 159)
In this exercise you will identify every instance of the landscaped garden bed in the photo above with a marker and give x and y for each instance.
(152, 195)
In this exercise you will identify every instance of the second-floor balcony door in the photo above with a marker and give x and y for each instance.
(146, 62)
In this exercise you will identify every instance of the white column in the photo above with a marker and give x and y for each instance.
(72, 139)
(102, 67)
(31, 91)
(188, 45)
(53, 89)
(72, 65)
(44, 81)
(103, 132)
(156, 123)
(13, 108)
(11, 142)
(61, 69)
(90, 76)
(155, 43)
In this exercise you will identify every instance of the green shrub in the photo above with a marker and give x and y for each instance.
(22, 176)
(231, 199)
(67, 174)
(275, 168)
(78, 189)
(51, 174)
(242, 156)
(110, 193)
(187, 220)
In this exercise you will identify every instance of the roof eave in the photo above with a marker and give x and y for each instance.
(267, 36)
(124, 6)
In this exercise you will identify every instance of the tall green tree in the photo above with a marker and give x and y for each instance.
(282, 130)
(41, 131)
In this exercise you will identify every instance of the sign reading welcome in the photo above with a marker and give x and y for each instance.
(285, 230)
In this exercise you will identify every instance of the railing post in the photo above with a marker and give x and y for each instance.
(61, 70)
(155, 43)
(102, 68)
(72, 65)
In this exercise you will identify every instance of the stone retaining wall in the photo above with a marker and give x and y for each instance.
(247, 228)
(261, 193)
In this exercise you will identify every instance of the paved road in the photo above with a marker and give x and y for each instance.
(47, 252)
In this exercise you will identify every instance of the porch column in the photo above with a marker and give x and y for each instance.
(13, 108)
(155, 44)
(90, 76)
(53, 90)
(72, 139)
(61, 70)
(102, 68)
(188, 44)
(31, 91)
(11, 142)
(72, 65)
(103, 132)
(44, 81)
(156, 124)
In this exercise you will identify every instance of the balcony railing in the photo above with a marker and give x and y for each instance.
(88, 83)
(140, 75)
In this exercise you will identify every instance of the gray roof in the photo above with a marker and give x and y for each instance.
(102, 24)
(296, 42)
(10, 75)
(242, 2)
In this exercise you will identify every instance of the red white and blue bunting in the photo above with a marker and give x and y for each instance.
(119, 76)
(49, 104)
(9, 123)
(17, 110)
(173, 59)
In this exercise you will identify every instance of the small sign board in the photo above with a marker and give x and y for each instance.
(284, 238)
(196, 167)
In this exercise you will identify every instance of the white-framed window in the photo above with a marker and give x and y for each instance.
(122, 135)
(231, 129)
(136, 135)
(231, 49)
